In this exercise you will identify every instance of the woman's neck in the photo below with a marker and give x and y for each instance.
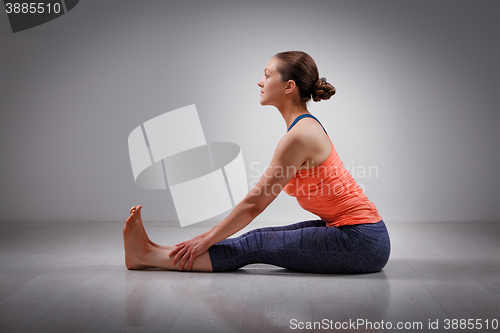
(291, 112)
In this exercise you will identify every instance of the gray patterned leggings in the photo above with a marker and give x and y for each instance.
(308, 246)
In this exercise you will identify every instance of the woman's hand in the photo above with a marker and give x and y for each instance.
(189, 250)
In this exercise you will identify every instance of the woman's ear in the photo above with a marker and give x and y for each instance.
(290, 86)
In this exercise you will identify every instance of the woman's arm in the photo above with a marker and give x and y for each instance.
(290, 154)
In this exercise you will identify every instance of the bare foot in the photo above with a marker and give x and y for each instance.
(138, 210)
(137, 247)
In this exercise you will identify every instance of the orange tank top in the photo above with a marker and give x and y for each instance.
(329, 191)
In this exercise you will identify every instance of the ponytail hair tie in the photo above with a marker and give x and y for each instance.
(323, 79)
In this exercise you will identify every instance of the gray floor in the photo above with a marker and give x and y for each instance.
(70, 277)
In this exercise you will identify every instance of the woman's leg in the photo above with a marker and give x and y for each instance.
(348, 249)
(307, 246)
(141, 252)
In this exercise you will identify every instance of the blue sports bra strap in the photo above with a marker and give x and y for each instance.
(306, 115)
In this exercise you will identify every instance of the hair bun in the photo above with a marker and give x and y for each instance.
(322, 90)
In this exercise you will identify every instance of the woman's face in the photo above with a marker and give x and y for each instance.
(272, 88)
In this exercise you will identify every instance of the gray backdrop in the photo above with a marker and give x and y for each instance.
(415, 118)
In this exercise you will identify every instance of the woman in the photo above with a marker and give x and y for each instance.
(350, 237)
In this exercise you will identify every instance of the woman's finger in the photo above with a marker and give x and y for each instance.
(174, 251)
(188, 254)
(191, 261)
(183, 260)
(178, 256)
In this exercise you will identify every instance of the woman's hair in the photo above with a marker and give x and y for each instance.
(301, 68)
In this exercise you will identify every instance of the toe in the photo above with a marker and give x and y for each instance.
(132, 209)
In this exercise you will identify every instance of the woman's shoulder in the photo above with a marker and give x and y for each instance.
(309, 132)
(311, 138)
